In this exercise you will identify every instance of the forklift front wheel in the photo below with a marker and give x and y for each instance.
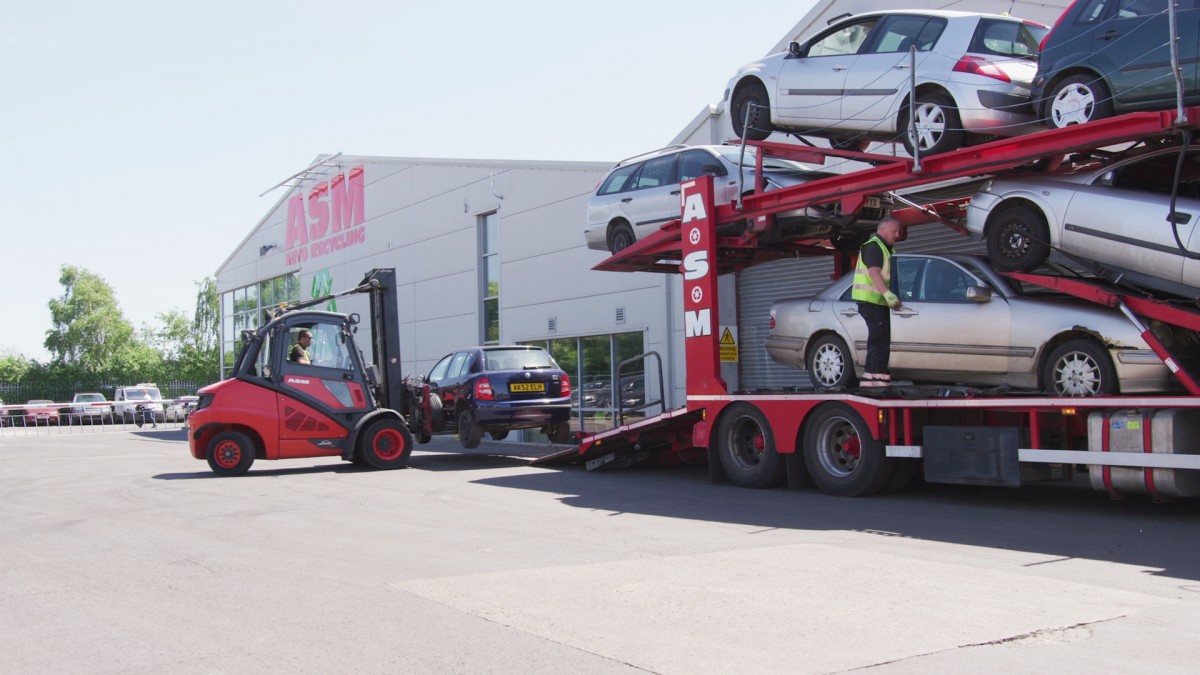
(230, 453)
(386, 445)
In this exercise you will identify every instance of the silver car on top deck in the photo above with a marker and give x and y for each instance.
(963, 323)
(851, 81)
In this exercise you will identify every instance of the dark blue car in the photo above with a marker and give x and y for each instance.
(1107, 57)
(500, 388)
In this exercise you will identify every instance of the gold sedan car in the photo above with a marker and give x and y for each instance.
(961, 322)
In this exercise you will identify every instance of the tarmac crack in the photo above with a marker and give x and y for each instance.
(1057, 634)
(539, 636)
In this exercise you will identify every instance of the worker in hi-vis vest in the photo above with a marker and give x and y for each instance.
(872, 290)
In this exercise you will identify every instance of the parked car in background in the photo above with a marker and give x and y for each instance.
(40, 411)
(850, 82)
(641, 194)
(596, 394)
(962, 322)
(177, 410)
(497, 389)
(1105, 57)
(134, 402)
(1117, 214)
(90, 407)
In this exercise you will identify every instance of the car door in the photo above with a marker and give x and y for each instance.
(435, 379)
(881, 72)
(1123, 217)
(1131, 47)
(938, 330)
(810, 86)
(311, 395)
(452, 387)
(654, 199)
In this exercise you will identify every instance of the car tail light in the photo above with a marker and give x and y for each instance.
(483, 389)
(565, 386)
(977, 65)
(772, 322)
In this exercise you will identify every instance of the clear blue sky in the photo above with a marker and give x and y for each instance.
(139, 134)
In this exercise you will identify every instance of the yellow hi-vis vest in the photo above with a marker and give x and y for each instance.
(864, 290)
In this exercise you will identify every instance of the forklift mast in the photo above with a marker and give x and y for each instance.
(385, 338)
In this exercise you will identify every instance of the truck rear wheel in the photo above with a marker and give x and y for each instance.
(230, 453)
(746, 447)
(386, 444)
(840, 454)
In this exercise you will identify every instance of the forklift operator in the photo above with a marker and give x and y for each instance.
(299, 353)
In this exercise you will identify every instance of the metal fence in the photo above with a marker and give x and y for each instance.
(56, 413)
(25, 420)
(20, 392)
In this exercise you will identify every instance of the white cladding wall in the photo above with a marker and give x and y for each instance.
(423, 218)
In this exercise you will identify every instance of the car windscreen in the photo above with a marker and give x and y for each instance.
(89, 398)
(518, 359)
(1003, 37)
(142, 394)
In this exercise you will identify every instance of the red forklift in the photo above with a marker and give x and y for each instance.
(335, 405)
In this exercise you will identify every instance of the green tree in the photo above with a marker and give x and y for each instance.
(88, 329)
(206, 323)
(13, 367)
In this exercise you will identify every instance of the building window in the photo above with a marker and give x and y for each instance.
(489, 278)
(250, 307)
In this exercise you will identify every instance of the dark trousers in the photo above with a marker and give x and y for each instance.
(879, 336)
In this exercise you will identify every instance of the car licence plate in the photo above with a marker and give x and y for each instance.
(522, 387)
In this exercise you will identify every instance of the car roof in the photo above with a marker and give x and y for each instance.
(945, 13)
(663, 151)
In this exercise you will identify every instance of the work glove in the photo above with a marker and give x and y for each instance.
(892, 300)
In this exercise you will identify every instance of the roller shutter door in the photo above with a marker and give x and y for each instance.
(761, 285)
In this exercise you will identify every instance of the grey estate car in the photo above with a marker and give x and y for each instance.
(963, 323)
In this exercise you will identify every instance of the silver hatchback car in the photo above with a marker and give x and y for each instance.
(1118, 214)
(641, 194)
(963, 323)
(850, 82)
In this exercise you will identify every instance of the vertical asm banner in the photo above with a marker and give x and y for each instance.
(699, 247)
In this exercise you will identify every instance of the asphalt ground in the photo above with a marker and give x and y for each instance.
(119, 553)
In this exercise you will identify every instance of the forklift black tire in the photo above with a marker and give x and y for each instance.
(386, 444)
(470, 434)
(230, 453)
(424, 437)
(840, 454)
(746, 446)
(498, 434)
(559, 432)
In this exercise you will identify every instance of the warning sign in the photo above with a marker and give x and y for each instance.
(729, 349)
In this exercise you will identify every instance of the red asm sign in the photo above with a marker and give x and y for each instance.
(332, 220)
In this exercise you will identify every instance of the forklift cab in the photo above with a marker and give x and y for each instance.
(333, 381)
